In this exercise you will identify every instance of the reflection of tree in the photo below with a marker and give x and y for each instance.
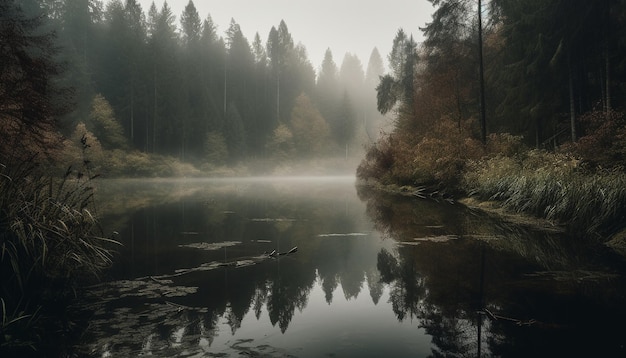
(279, 286)
(289, 290)
(329, 284)
(407, 287)
(260, 297)
(352, 282)
(454, 334)
(438, 282)
(444, 309)
(375, 284)
(206, 326)
(433, 283)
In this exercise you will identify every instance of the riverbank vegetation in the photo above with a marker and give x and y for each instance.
(50, 240)
(51, 244)
(553, 89)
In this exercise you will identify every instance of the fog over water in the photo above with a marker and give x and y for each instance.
(343, 26)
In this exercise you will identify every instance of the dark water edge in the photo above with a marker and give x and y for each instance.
(539, 293)
(374, 275)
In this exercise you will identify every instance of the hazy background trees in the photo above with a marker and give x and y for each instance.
(148, 80)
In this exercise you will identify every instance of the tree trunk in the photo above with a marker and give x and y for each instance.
(607, 59)
(132, 109)
(572, 102)
(483, 121)
(154, 111)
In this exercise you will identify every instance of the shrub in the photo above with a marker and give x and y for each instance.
(436, 159)
(378, 161)
(604, 142)
(215, 148)
(505, 144)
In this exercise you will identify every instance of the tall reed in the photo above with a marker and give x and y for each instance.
(554, 187)
(49, 240)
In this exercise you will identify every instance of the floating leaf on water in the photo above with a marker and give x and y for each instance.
(272, 220)
(211, 246)
(352, 234)
(574, 276)
(161, 281)
(244, 263)
(484, 237)
(441, 238)
(179, 291)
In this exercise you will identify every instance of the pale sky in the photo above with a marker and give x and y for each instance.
(355, 26)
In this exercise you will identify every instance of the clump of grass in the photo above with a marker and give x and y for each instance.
(554, 187)
(49, 241)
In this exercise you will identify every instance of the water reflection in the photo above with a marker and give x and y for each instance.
(482, 287)
(193, 265)
(195, 278)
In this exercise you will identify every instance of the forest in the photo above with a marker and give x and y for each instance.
(520, 104)
(157, 96)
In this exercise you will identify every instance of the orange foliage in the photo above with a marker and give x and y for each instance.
(437, 159)
(604, 142)
(20, 143)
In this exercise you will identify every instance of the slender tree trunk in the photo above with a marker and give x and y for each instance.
(225, 63)
(483, 120)
(607, 65)
(147, 143)
(182, 146)
(154, 112)
(607, 59)
(457, 93)
(132, 109)
(537, 133)
(277, 98)
(572, 102)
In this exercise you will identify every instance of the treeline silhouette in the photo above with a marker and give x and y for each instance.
(181, 88)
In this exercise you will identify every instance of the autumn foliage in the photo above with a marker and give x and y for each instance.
(435, 160)
(604, 142)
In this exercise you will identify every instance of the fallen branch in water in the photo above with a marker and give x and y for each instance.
(517, 322)
(274, 253)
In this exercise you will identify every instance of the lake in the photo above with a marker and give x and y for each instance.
(314, 267)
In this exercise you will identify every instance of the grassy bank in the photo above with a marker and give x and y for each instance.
(570, 186)
(554, 187)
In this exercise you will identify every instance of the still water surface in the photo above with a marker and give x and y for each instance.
(373, 275)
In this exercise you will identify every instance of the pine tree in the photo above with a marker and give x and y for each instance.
(104, 126)
(399, 86)
(235, 134)
(168, 100)
(372, 118)
(191, 25)
(191, 57)
(310, 131)
(212, 60)
(328, 90)
(30, 101)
